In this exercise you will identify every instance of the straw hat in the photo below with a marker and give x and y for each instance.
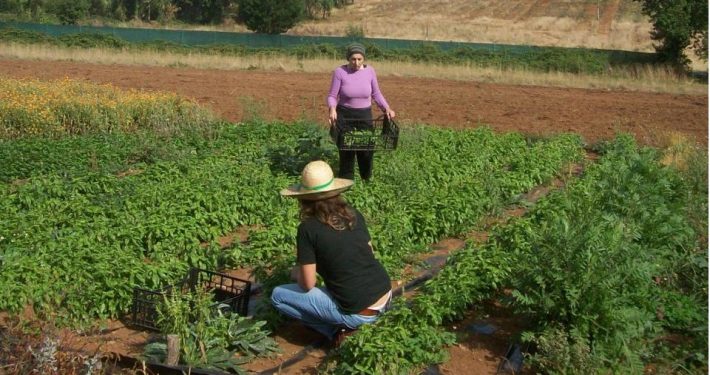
(317, 182)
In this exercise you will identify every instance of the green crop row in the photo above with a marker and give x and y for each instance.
(603, 270)
(439, 184)
(87, 218)
(93, 235)
(410, 335)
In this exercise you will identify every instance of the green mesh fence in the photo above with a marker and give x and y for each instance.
(194, 38)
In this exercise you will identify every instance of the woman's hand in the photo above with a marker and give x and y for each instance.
(332, 116)
(390, 113)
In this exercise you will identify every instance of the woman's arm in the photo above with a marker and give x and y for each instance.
(332, 98)
(379, 98)
(306, 276)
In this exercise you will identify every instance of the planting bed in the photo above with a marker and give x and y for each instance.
(506, 166)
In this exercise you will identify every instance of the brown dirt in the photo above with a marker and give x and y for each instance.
(594, 114)
(480, 353)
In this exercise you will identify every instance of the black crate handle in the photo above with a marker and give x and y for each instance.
(389, 127)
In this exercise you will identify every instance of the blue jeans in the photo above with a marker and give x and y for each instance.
(315, 308)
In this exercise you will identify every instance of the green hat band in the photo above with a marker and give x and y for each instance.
(319, 187)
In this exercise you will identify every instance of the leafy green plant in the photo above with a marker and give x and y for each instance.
(558, 351)
(410, 336)
(309, 146)
(209, 337)
(600, 262)
(395, 344)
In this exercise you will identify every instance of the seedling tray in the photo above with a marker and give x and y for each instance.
(379, 134)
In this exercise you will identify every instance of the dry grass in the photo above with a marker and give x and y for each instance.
(646, 79)
(615, 24)
(679, 151)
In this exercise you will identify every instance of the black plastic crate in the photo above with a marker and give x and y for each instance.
(379, 134)
(230, 293)
(228, 290)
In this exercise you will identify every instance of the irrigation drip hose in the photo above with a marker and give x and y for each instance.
(416, 281)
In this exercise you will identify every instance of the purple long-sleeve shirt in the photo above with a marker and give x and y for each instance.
(355, 88)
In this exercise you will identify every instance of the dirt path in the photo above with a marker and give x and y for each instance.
(607, 16)
(595, 114)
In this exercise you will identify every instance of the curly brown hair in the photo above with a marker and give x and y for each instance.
(334, 212)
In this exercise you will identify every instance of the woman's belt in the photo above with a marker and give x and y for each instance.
(380, 307)
(369, 312)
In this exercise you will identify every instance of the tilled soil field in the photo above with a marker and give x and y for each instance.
(236, 95)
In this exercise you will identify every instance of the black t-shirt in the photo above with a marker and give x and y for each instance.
(345, 261)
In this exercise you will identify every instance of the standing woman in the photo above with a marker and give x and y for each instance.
(352, 89)
(333, 242)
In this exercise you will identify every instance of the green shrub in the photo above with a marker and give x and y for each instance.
(71, 11)
(9, 34)
(86, 40)
(606, 261)
(558, 351)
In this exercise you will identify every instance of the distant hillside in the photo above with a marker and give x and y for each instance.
(612, 24)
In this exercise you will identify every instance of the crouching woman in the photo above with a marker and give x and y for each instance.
(332, 241)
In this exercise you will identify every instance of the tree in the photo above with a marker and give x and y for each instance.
(676, 25)
(202, 11)
(271, 16)
(318, 8)
(70, 12)
(124, 9)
